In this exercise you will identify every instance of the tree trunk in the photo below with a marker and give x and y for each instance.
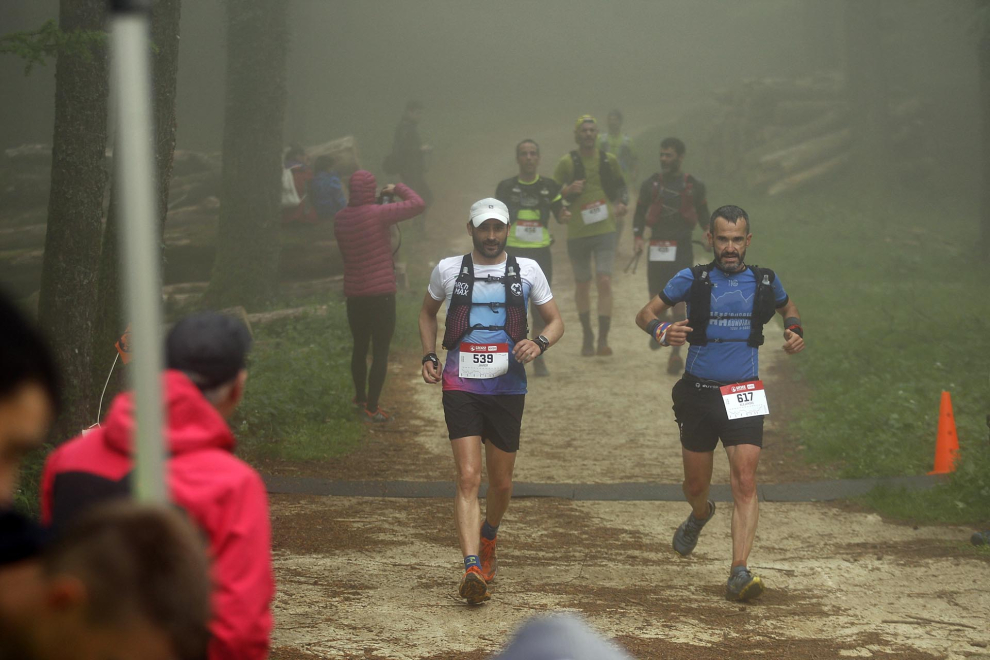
(984, 59)
(866, 82)
(66, 306)
(109, 322)
(246, 268)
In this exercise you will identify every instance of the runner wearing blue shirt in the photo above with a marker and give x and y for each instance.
(720, 396)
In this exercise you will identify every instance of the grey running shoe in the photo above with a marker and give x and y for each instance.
(686, 536)
(980, 538)
(743, 585)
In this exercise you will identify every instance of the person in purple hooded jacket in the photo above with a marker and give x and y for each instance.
(364, 238)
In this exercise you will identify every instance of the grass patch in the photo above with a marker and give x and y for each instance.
(297, 404)
(895, 306)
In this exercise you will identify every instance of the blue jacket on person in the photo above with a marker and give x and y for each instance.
(327, 194)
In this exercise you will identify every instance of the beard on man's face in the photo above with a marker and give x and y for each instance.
(490, 247)
(731, 260)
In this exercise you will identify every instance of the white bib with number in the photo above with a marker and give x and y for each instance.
(745, 399)
(595, 212)
(483, 360)
(663, 250)
(530, 231)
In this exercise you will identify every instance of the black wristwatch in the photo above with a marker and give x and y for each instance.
(543, 343)
(431, 357)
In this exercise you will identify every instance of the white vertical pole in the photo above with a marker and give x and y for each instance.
(135, 171)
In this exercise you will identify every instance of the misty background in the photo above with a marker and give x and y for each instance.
(352, 65)
(855, 132)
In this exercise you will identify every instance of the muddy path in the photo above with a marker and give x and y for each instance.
(376, 578)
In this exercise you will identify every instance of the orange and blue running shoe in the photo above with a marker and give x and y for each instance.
(473, 587)
(489, 559)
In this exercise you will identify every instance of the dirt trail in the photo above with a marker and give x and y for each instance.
(371, 578)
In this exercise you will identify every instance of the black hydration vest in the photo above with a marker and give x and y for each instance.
(700, 298)
(515, 202)
(611, 187)
(461, 302)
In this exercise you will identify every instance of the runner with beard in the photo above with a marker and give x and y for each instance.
(670, 204)
(484, 378)
(596, 193)
(720, 396)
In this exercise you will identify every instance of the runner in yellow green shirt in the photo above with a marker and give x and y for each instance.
(596, 194)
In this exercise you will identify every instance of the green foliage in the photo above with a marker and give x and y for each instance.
(297, 404)
(35, 47)
(895, 309)
(26, 496)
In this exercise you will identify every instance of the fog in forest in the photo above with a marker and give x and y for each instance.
(830, 111)
(352, 65)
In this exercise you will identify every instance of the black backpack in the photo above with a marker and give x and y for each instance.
(611, 187)
(700, 297)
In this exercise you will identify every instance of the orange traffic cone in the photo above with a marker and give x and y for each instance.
(947, 443)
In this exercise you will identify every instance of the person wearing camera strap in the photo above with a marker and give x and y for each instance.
(487, 293)
(363, 233)
(721, 396)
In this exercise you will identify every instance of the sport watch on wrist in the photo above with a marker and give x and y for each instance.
(431, 357)
(543, 343)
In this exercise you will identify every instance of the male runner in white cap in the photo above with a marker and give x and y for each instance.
(484, 379)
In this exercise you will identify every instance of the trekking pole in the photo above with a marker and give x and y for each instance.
(135, 171)
(633, 263)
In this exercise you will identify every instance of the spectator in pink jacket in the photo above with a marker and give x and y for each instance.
(363, 236)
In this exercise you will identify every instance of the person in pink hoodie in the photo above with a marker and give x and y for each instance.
(223, 496)
(363, 231)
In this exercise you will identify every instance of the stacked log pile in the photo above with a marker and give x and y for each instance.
(780, 135)
(309, 251)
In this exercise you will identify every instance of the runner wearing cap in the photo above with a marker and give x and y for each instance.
(484, 379)
(597, 196)
(531, 199)
(720, 396)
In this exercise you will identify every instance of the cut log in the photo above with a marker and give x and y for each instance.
(344, 152)
(791, 159)
(802, 179)
(827, 122)
(792, 113)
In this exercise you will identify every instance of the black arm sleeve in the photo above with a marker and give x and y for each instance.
(642, 205)
(622, 192)
(701, 204)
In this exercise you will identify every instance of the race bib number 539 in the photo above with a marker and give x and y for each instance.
(745, 399)
(483, 360)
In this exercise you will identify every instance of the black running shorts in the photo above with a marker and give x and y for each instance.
(495, 417)
(658, 273)
(701, 417)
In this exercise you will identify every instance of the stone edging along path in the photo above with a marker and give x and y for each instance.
(811, 491)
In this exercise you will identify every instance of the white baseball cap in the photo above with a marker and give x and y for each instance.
(488, 209)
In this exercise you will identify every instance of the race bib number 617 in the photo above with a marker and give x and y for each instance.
(745, 399)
